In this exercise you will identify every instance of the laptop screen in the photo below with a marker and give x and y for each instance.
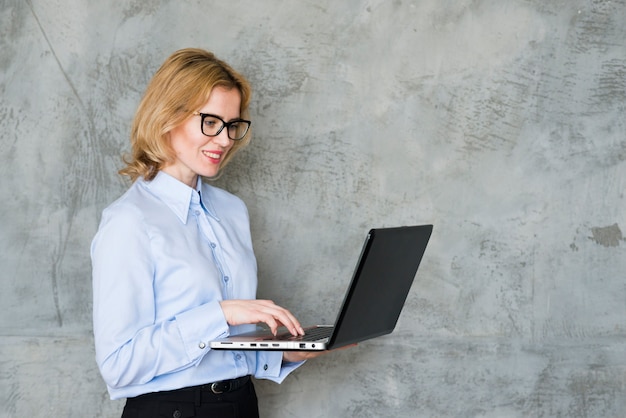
(381, 283)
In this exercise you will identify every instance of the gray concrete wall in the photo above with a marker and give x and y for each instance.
(500, 121)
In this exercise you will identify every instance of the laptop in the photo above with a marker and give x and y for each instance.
(372, 304)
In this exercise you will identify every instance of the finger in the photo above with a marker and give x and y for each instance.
(286, 318)
(239, 312)
(281, 319)
(272, 324)
(291, 323)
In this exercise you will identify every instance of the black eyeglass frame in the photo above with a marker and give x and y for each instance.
(224, 125)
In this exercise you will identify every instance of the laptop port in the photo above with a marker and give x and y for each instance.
(302, 345)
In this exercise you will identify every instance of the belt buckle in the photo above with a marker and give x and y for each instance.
(214, 388)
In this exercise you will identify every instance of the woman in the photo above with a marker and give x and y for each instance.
(173, 264)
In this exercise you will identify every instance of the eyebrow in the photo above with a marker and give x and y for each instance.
(221, 117)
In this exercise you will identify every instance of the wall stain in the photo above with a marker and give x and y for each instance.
(608, 236)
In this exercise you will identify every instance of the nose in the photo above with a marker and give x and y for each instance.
(222, 138)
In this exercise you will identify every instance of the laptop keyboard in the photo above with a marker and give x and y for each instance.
(310, 334)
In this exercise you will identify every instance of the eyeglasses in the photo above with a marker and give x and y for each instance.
(212, 125)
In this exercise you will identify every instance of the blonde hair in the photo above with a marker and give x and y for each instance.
(182, 84)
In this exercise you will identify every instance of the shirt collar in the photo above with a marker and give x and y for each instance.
(204, 193)
(179, 197)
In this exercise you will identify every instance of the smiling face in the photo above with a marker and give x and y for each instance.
(196, 154)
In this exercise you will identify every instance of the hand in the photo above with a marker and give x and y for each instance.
(239, 312)
(297, 356)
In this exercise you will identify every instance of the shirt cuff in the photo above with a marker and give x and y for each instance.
(270, 366)
(197, 329)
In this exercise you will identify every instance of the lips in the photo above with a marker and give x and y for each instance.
(214, 156)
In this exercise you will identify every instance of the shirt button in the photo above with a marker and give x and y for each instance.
(197, 212)
(177, 414)
(265, 367)
(213, 245)
(226, 278)
(238, 357)
(202, 346)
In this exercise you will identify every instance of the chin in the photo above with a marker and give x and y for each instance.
(213, 174)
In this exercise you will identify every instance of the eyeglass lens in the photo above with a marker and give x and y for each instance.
(212, 126)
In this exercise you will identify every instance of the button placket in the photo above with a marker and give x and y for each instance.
(207, 232)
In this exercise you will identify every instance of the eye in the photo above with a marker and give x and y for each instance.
(211, 125)
(210, 122)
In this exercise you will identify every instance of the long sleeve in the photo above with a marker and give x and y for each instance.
(133, 344)
(163, 259)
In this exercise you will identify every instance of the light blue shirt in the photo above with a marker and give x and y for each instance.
(163, 258)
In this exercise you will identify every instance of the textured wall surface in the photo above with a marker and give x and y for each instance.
(502, 122)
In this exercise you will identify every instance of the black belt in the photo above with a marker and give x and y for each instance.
(224, 386)
(193, 393)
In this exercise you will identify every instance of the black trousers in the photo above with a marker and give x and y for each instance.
(198, 401)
